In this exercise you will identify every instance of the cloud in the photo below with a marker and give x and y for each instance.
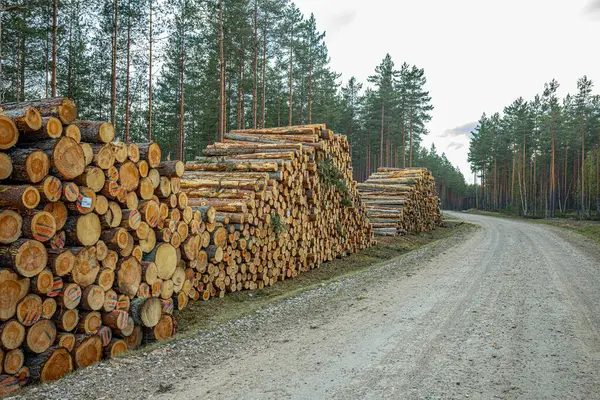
(455, 146)
(460, 131)
(593, 7)
(342, 19)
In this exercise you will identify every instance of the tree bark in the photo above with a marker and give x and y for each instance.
(54, 45)
(182, 87)
(127, 71)
(255, 68)
(150, 79)
(113, 97)
(381, 135)
(222, 75)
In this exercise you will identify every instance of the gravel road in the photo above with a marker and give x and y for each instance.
(511, 310)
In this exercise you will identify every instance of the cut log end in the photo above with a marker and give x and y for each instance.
(68, 158)
(11, 223)
(31, 258)
(6, 166)
(8, 133)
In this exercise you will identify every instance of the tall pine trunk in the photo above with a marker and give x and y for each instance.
(182, 87)
(22, 67)
(70, 66)
(150, 77)
(583, 163)
(127, 96)
(291, 76)
(240, 91)
(113, 97)
(222, 74)
(264, 78)
(54, 45)
(411, 139)
(381, 135)
(46, 50)
(403, 141)
(255, 68)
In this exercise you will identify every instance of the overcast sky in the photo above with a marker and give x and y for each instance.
(478, 55)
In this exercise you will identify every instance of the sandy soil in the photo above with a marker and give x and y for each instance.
(511, 310)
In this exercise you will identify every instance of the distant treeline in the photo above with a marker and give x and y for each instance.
(541, 157)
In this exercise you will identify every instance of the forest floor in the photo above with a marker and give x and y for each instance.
(509, 310)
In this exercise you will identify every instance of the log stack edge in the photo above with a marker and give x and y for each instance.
(401, 201)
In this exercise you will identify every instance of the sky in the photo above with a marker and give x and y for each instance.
(478, 55)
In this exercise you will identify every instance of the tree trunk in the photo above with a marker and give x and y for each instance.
(222, 75)
(291, 76)
(150, 79)
(264, 78)
(127, 71)
(552, 172)
(410, 151)
(113, 98)
(255, 68)
(381, 135)
(583, 212)
(403, 141)
(182, 88)
(54, 45)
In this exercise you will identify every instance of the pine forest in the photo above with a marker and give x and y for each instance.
(184, 72)
(541, 158)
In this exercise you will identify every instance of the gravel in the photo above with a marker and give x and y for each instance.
(511, 310)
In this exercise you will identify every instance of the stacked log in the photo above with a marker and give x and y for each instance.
(284, 202)
(401, 201)
(95, 242)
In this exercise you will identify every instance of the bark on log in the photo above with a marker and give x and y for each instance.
(165, 258)
(58, 107)
(83, 230)
(39, 225)
(21, 197)
(27, 257)
(150, 152)
(87, 351)
(146, 312)
(51, 128)
(29, 165)
(95, 132)
(50, 365)
(89, 322)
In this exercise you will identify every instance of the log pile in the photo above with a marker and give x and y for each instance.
(284, 202)
(101, 241)
(97, 242)
(401, 201)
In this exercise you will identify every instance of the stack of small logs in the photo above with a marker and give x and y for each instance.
(284, 202)
(401, 201)
(98, 245)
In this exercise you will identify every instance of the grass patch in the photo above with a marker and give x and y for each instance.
(590, 229)
(205, 315)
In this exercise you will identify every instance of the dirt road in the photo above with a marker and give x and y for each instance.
(511, 310)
